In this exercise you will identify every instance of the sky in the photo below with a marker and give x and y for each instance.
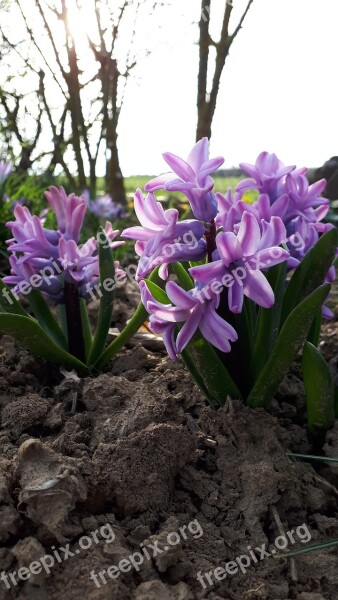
(279, 88)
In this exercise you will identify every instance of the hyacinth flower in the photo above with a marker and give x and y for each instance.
(246, 255)
(192, 177)
(5, 170)
(104, 207)
(162, 239)
(237, 315)
(187, 307)
(53, 265)
(305, 200)
(266, 175)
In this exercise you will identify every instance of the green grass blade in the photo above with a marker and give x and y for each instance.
(313, 457)
(307, 549)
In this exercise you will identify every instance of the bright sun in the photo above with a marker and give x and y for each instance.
(81, 21)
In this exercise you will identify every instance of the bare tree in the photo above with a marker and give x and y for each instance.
(207, 98)
(80, 79)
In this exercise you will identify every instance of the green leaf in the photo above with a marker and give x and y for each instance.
(209, 372)
(319, 392)
(8, 303)
(107, 273)
(45, 318)
(157, 292)
(30, 334)
(314, 333)
(290, 340)
(311, 272)
(183, 276)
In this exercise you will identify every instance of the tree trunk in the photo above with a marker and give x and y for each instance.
(203, 126)
(206, 102)
(114, 177)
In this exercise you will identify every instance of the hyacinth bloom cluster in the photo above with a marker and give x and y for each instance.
(234, 242)
(104, 207)
(54, 257)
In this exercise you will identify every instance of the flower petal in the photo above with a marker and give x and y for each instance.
(257, 288)
(217, 331)
(179, 166)
(228, 247)
(249, 234)
(179, 297)
(236, 297)
(199, 154)
(189, 329)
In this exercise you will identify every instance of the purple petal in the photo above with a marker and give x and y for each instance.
(246, 184)
(176, 185)
(169, 313)
(179, 166)
(217, 331)
(179, 297)
(269, 257)
(189, 329)
(209, 167)
(236, 297)
(250, 170)
(249, 234)
(258, 289)
(228, 247)
(274, 234)
(199, 154)
(158, 183)
(205, 273)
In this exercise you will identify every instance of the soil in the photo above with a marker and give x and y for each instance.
(144, 456)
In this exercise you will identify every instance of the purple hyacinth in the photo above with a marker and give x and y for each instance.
(69, 210)
(22, 273)
(305, 200)
(55, 257)
(187, 308)
(192, 177)
(265, 175)
(238, 260)
(104, 207)
(162, 239)
(229, 210)
(30, 238)
(5, 170)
